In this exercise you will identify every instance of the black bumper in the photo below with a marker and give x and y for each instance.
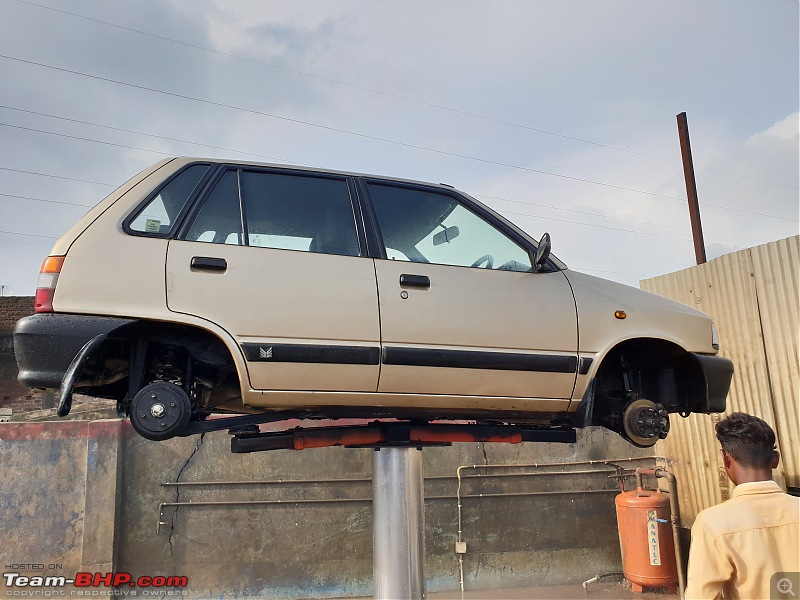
(718, 372)
(46, 344)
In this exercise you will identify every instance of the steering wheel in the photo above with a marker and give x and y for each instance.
(486, 258)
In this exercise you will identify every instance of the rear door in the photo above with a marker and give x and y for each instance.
(462, 313)
(277, 259)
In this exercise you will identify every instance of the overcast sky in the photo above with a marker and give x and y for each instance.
(559, 114)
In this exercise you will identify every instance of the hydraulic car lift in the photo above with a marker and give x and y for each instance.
(398, 528)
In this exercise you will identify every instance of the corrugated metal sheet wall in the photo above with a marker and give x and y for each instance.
(753, 297)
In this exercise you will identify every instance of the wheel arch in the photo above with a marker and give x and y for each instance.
(124, 347)
(660, 370)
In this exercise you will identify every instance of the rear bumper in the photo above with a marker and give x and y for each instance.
(718, 372)
(46, 344)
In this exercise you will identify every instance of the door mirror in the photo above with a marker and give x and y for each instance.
(542, 253)
(447, 235)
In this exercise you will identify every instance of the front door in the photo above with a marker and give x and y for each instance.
(274, 258)
(462, 313)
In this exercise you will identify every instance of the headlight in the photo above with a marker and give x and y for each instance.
(714, 336)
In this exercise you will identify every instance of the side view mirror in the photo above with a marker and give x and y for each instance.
(542, 253)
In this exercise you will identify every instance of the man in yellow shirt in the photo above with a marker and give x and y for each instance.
(739, 546)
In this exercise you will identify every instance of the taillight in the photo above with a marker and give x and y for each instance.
(46, 286)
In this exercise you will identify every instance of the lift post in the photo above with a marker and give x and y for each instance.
(398, 523)
(398, 503)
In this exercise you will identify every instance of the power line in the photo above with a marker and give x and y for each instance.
(43, 200)
(51, 237)
(313, 166)
(76, 137)
(670, 237)
(584, 212)
(58, 177)
(152, 135)
(594, 214)
(337, 129)
(388, 94)
(615, 272)
(593, 253)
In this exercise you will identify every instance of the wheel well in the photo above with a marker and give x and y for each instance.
(655, 369)
(145, 351)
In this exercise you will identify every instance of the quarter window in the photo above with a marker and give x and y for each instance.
(219, 220)
(428, 227)
(159, 215)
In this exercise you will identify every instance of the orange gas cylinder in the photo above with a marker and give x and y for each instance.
(645, 533)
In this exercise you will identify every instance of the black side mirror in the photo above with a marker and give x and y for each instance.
(542, 253)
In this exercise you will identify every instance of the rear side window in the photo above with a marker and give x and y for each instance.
(159, 215)
(299, 212)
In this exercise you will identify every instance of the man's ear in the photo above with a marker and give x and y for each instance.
(726, 460)
(776, 457)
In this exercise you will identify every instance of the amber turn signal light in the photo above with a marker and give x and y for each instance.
(620, 314)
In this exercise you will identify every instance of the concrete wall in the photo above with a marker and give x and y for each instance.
(86, 495)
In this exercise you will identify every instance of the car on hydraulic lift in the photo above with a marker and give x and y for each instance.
(207, 286)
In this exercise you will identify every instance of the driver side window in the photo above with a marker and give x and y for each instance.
(428, 227)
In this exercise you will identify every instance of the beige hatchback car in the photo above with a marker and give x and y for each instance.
(205, 286)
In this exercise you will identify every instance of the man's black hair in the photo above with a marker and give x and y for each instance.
(748, 439)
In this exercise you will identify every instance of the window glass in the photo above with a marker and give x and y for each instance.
(295, 212)
(159, 215)
(219, 220)
(423, 226)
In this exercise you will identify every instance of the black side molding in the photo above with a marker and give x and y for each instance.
(308, 353)
(469, 359)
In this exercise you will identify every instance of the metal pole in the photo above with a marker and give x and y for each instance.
(691, 189)
(398, 526)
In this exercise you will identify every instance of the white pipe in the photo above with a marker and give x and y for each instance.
(527, 466)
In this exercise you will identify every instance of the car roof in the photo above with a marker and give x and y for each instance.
(310, 169)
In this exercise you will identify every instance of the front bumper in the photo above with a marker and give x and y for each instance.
(718, 372)
(45, 344)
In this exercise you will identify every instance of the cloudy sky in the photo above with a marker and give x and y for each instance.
(560, 114)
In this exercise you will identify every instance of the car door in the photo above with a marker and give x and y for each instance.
(461, 311)
(276, 258)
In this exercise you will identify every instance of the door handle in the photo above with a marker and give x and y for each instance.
(207, 263)
(420, 281)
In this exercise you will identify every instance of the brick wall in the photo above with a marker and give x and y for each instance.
(12, 309)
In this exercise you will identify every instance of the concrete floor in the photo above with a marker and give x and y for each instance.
(606, 589)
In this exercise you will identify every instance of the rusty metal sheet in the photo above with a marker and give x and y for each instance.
(752, 295)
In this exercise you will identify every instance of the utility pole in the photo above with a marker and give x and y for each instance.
(691, 189)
